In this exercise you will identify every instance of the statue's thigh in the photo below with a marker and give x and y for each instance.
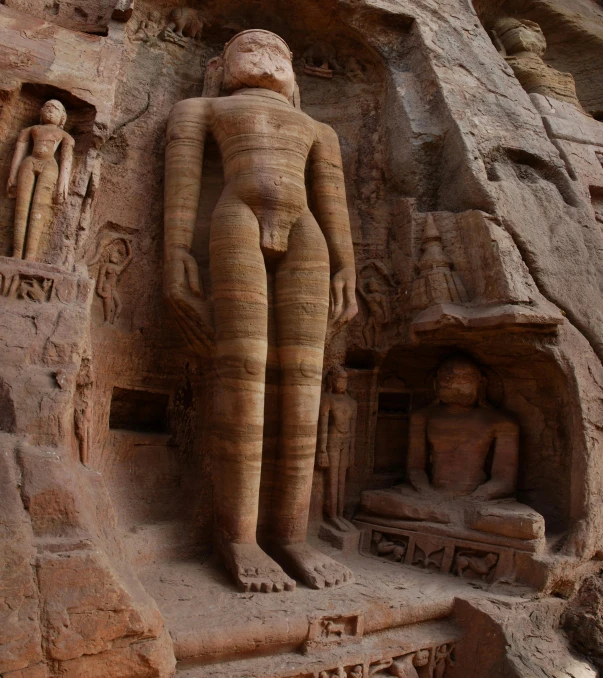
(238, 273)
(46, 183)
(302, 286)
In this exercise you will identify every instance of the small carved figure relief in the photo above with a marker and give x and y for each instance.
(320, 61)
(388, 549)
(336, 441)
(522, 43)
(453, 438)
(83, 408)
(37, 181)
(265, 141)
(428, 556)
(373, 287)
(332, 629)
(148, 28)
(436, 282)
(481, 566)
(183, 23)
(114, 258)
(406, 666)
(356, 671)
(443, 660)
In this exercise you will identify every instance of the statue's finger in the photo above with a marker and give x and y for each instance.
(192, 272)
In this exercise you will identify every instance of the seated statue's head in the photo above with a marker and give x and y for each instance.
(338, 380)
(520, 36)
(53, 113)
(258, 58)
(459, 381)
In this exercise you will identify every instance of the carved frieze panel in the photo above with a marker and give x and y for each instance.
(444, 554)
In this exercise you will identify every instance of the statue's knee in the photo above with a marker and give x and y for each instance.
(306, 370)
(245, 365)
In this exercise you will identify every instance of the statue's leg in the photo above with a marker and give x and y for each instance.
(332, 481)
(25, 187)
(239, 293)
(41, 208)
(344, 444)
(301, 310)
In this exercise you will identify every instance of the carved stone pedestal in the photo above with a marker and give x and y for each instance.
(448, 550)
(344, 541)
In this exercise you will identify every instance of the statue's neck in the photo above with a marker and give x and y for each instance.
(261, 92)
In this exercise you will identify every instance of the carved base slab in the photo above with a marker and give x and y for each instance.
(468, 559)
(344, 541)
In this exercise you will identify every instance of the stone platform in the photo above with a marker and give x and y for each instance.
(389, 610)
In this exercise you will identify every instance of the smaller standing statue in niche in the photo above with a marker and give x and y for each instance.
(523, 45)
(37, 181)
(83, 409)
(336, 440)
(114, 261)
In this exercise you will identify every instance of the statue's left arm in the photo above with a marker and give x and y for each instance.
(503, 478)
(331, 212)
(67, 145)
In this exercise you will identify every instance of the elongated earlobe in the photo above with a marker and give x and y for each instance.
(214, 75)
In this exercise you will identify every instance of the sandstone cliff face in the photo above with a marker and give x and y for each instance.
(106, 507)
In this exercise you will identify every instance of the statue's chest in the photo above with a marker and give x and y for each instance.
(452, 433)
(260, 124)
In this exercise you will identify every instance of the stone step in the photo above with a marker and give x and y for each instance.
(358, 659)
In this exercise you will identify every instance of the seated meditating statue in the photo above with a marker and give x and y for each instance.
(453, 439)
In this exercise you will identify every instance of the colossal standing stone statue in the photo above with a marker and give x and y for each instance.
(33, 179)
(262, 233)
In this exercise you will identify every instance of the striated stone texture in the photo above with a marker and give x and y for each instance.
(473, 171)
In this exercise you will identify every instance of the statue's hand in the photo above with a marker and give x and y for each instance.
(491, 490)
(62, 191)
(343, 305)
(11, 187)
(322, 459)
(183, 292)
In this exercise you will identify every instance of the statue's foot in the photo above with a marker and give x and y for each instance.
(311, 566)
(253, 570)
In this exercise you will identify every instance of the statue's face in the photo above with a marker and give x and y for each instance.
(458, 384)
(525, 39)
(259, 60)
(52, 113)
(339, 383)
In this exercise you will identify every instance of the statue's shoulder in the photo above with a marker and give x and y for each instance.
(194, 105)
(501, 419)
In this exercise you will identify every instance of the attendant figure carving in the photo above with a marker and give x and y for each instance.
(37, 181)
(114, 261)
(262, 233)
(336, 441)
(452, 440)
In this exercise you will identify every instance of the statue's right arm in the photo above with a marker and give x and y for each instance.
(188, 125)
(416, 463)
(18, 157)
(186, 131)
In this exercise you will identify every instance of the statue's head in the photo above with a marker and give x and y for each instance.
(258, 58)
(338, 379)
(421, 658)
(459, 381)
(520, 36)
(377, 537)
(53, 113)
